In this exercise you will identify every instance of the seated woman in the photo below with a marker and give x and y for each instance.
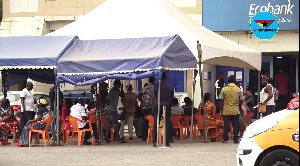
(8, 122)
(211, 115)
(42, 114)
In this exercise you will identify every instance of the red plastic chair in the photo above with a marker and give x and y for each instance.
(200, 126)
(175, 119)
(65, 130)
(104, 125)
(150, 119)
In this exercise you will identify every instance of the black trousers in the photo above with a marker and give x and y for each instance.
(95, 133)
(167, 122)
(282, 102)
(235, 125)
(30, 115)
(87, 134)
(269, 110)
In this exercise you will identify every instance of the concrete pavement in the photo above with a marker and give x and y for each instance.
(134, 152)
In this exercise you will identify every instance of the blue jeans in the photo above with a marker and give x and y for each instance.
(112, 118)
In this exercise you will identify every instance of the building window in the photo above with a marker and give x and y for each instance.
(18, 6)
(178, 79)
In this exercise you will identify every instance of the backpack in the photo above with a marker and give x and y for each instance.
(147, 96)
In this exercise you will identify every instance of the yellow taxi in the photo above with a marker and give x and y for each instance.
(271, 141)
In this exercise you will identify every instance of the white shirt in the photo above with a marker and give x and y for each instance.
(264, 96)
(77, 111)
(217, 87)
(28, 100)
(176, 110)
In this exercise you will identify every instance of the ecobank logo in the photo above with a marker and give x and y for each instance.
(282, 9)
(264, 25)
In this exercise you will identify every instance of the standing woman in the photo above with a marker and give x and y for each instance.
(267, 96)
(66, 109)
(8, 122)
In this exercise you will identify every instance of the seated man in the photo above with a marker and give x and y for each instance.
(78, 111)
(175, 109)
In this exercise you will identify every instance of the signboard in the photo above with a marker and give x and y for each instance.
(236, 15)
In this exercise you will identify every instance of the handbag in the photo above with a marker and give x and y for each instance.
(262, 108)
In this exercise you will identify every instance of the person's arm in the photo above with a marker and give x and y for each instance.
(268, 89)
(11, 115)
(213, 110)
(276, 97)
(23, 104)
(38, 118)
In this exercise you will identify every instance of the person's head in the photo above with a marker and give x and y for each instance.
(221, 76)
(164, 76)
(174, 101)
(117, 84)
(146, 84)
(129, 87)
(265, 79)
(187, 101)
(207, 96)
(68, 102)
(87, 101)
(231, 79)
(42, 103)
(271, 81)
(29, 86)
(248, 87)
(4, 103)
(80, 101)
(151, 80)
(104, 86)
(91, 105)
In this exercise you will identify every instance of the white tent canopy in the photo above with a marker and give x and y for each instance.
(115, 19)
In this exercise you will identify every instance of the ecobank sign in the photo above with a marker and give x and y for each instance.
(236, 15)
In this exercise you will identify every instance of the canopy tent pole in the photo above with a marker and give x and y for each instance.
(258, 96)
(193, 101)
(201, 89)
(57, 113)
(100, 114)
(4, 89)
(158, 111)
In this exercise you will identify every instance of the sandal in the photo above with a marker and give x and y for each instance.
(224, 141)
(20, 145)
(98, 142)
(3, 143)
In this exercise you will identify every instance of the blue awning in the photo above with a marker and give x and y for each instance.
(91, 61)
(33, 52)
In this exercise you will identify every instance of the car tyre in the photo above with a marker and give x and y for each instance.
(280, 157)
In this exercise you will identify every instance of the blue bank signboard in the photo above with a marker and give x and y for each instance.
(236, 15)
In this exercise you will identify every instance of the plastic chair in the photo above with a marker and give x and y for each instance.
(65, 130)
(104, 125)
(45, 132)
(186, 125)
(73, 121)
(200, 126)
(175, 119)
(150, 119)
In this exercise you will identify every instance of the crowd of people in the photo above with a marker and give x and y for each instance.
(232, 104)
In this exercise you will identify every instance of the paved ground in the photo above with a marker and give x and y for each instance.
(135, 152)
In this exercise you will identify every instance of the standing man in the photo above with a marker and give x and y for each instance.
(26, 104)
(129, 105)
(146, 96)
(267, 96)
(220, 83)
(230, 98)
(282, 81)
(112, 112)
(166, 95)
